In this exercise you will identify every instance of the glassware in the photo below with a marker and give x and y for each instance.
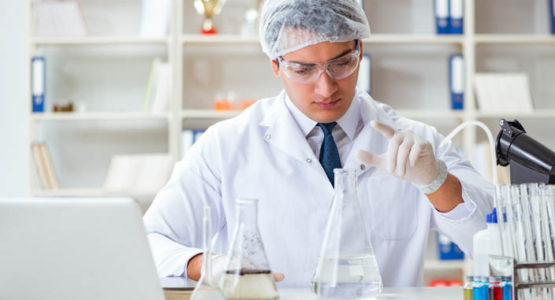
(467, 288)
(209, 8)
(247, 274)
(203, 290)
(495, 288)
(347, 267)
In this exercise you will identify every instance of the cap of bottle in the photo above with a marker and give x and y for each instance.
(492, 217)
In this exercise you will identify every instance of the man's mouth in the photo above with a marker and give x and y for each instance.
(327, 104)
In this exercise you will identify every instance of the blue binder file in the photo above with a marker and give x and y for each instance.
(441, 8)
(552, 14)
(456, 81)
(38, 83)
(447, 250)
(364, 80)
(456, 16)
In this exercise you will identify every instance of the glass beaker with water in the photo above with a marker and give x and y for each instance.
(247, 273)
(204, 290)
(346, 267)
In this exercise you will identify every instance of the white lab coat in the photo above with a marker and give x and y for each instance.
(263, 154)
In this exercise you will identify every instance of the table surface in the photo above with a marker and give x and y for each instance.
(409, 293)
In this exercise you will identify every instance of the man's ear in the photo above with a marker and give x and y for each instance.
(275, 67)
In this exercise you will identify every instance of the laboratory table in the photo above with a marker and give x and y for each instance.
(410, 293)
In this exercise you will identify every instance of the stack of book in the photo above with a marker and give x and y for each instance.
(158, 87)
(44, 166)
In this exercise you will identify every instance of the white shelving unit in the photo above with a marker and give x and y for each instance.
(109, 69)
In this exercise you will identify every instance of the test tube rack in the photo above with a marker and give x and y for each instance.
(523, 283)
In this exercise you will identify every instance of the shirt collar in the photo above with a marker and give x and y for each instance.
(348, 122)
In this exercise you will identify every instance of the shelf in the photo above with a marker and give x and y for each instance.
(374, 39)
(74, 116)
(514, 39)
(431, 114)
(98, 40)
(414, 39)
(209, 114)
(540, 114)
(199, 39)
(99, 192)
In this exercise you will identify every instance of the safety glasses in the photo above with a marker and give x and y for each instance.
(308, 73)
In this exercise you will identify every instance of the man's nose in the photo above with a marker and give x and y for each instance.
(325, 86)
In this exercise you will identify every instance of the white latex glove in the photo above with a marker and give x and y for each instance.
(408, 156)
(218, 264)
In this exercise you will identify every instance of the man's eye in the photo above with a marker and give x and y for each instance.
(302, 71)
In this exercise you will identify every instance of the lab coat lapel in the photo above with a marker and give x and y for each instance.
(283, 133)
(368, 139)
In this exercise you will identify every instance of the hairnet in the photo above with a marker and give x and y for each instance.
(289, 25)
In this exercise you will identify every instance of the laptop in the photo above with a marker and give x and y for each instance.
(75, 248)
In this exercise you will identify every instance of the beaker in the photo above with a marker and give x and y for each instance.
(247, 274)
(204, 290)
(347, 267)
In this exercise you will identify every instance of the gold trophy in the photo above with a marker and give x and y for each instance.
(208, 8)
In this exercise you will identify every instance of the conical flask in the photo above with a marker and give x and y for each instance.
(247, 274)
(203, 290)
(347, 266)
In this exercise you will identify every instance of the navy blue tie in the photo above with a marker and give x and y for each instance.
(329, 156)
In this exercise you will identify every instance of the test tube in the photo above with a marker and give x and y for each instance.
(520, 238)
(548, 201)
(501, 220)
(537, 235)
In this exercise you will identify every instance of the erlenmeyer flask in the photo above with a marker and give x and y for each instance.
(203, 290)
(247, 273)
(347, 267)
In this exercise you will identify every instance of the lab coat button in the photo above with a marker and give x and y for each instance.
(268, 137)
(362, 167)
(308, 160)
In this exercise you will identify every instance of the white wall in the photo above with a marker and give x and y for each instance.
(13, 103)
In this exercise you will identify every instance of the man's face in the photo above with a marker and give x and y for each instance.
(327, 99)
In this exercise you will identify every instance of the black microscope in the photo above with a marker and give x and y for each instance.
(530, 160)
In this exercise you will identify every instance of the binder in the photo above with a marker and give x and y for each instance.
(552, 14)
(441, 8)
(456, 81)
(364, 80)
(38, 76)
(456, 16)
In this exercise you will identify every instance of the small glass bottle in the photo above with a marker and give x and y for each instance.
(347, 267)
(247, 274)
(507, 288)
(203, 290)
(467, 288)
(495, 288)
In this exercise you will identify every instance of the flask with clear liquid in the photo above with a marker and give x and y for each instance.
(247, 274)
(347, 267)
(204, 290)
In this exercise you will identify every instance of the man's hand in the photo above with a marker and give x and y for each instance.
(218, 263)
(408, 156)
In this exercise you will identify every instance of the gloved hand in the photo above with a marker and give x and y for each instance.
(408, 156)
(218, 264)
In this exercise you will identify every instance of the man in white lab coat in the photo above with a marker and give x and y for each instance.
(282, 151)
